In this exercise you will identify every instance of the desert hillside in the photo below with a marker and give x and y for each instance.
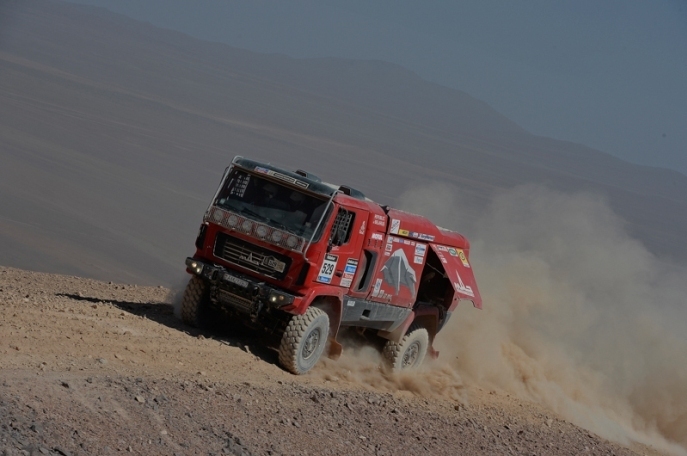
(91, 367)
(114, 135)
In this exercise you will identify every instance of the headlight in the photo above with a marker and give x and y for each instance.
(233, 220)
(195, 266)
(261, 231)
(246, 226)
(278, 299)
(217, 216)
(291, 242)
(277, 236)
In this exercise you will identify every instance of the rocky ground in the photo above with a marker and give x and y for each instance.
(90, 367)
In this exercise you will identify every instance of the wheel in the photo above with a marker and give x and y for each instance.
(410, 352)
(194, 303)
(304, 340)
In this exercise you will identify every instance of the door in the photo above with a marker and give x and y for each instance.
(340, 264)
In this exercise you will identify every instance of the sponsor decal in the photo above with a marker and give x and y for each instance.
(442, 248)
(379, 220)
(347, 276)
(452, 252)
(395, 226)
(461, 287)
(403, 232)
(378, 286)
(398, 272)
(389, 247)
(420, 249)
(463, 258)
(350, 303)
(377, 237)
(426, 237)
(351, 266)
(282, 177)
(387, 253)
(414, 234)
(346, 282)
(418, 260)
(327, 269)
(362, 227)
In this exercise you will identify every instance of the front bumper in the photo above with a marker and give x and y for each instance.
(239, 292)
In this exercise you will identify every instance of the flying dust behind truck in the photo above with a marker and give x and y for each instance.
(297, 258)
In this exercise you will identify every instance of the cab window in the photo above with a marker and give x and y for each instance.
(342, 228)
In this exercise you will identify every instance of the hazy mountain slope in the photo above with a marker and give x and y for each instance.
(113, 135)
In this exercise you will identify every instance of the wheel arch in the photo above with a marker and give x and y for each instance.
(332, 306)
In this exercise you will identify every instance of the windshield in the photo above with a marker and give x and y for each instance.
(271, 203)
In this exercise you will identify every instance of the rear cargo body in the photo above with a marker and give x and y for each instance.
(278, 247)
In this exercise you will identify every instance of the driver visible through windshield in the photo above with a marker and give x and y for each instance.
(271, 203)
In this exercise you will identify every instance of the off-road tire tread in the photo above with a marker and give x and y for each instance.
(393, 351)
(293, 334)
(192, 302)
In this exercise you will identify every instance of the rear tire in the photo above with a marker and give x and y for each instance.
(194, 304)
(410, 352)
(304, 340)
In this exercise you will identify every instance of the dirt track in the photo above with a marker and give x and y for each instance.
(90, 367)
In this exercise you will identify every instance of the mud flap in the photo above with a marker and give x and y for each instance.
(335, 349)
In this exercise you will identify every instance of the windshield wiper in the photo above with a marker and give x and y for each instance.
(245, 210)
(281, 226)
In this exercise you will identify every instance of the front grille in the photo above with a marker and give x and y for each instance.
(250, 256)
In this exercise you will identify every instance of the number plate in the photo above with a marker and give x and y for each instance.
(274, 264)
(235, 280)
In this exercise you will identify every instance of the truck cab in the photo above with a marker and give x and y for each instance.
(288, 254)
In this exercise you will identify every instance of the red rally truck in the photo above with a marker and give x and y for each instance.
(288, 254)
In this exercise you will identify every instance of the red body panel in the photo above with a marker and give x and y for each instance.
(459, 271)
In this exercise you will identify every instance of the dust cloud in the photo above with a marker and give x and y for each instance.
(176, 293)
(362, 364)
(578, 316)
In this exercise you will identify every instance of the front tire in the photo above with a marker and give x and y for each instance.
(304, 340)
(410, 352)
(194, 304)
